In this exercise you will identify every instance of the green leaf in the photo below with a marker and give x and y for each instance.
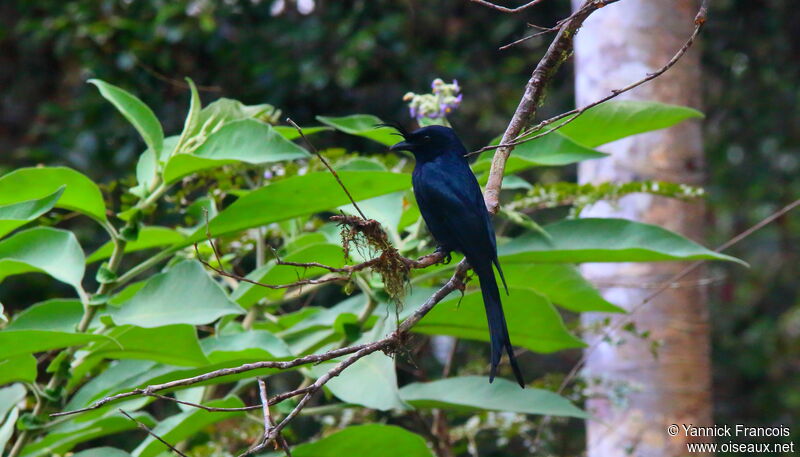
(57, 314)
(67, 435)
(183, 295)
(379, 441)
(136, 112)
(247, 294)
(247, 140)
(171, 344)
(19, 342)
(182, 426)
(533, 323)
(102, 452)
(471, 393)
(613, 120)
(363, 125)
(9, 397)
(17, 214)
(253, 344)
(81, 194)
(225, 110)
(604, 240)
(550, 150)
(290, 133)
(149, 237)
(7, 427)
(146, 173)
(19, 368)
(562, 284)
(43, 249)
(370, 382)
(299, 196)
(192, 122)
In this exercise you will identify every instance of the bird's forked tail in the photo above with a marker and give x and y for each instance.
(498, 331)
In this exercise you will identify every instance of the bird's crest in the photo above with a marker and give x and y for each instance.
(401, 131)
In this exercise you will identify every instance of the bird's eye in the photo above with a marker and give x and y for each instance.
(426, 138)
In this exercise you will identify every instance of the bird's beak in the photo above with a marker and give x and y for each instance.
(401, 146)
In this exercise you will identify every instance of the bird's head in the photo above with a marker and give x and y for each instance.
(429, 142)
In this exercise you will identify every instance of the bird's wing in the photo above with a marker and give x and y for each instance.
(451, 203)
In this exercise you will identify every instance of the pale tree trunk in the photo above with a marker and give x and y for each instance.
(640, 395)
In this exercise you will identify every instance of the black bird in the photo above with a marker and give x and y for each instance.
(451, 203)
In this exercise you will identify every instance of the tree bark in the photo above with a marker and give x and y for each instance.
(637, 394)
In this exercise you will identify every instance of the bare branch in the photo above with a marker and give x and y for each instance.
(150, 432)
(504, 9)
(330, 168)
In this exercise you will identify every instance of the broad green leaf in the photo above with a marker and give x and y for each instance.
(183, 295)
(470, 393)
(370, 382)
(245, 140)
(550, 150)
(19, 342)
(136, 112)
(182, 426)
(172, 344)
(377, 440)
(19, 368)
(247, 294)
(81, 194)
(253, 344)
(364, 125)
(604, 240)
(57, 314)
(46, 250)
(290, 133)
(562, 284)
(102, 452)
(17, 214)
(149, 237)
(67, 435)
(613, 120)
(533, 323)
(300, 196)
(9, 397)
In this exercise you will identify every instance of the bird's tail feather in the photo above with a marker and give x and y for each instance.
(498, 331)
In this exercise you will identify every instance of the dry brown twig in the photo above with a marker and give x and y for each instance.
(505, 9)
(153, 434)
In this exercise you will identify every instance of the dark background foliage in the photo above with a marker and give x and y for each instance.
(362, 56)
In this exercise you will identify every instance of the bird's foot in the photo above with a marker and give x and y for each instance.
(446, 254)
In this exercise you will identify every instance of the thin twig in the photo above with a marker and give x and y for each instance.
(330, 168)
(504, 9)
(151, 433)
(699, 22)
(545, 30)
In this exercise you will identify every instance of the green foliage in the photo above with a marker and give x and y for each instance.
(158, 313)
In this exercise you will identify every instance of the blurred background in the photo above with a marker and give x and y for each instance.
(340, 57)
